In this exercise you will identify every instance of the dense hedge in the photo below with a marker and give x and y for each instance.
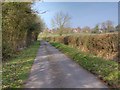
(103, 45)
(20, 27)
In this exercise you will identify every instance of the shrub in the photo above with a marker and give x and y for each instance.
(102, 45)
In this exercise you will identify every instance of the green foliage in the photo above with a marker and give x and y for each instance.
(96, 29)
(106, 70)
(16, 69)
(20, 27)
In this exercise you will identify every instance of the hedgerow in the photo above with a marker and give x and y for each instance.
(102, 45)
(20, 27)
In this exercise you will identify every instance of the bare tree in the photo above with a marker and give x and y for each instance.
(103, 27)
(110, 26)
(107, 26)
(61, 20)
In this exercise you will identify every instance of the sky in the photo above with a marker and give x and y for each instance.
(82, 13)
(80, 0)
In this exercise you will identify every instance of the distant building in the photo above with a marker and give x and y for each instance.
(76, 30)
(100, 30)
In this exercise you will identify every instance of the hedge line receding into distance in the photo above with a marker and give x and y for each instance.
(101, 45)
(20, 27)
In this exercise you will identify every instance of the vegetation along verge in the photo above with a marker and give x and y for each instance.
(16, 70)
(104, 69)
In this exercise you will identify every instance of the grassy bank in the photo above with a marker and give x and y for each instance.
(105, 70)
(16, 70)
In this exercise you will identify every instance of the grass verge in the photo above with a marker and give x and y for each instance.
(105, 70)
(16, 70)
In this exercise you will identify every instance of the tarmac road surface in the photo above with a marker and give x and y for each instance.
(53, 69)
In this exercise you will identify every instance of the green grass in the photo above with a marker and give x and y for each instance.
(16, 70)
(104, 69)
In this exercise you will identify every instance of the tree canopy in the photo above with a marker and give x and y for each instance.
(20, 25)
